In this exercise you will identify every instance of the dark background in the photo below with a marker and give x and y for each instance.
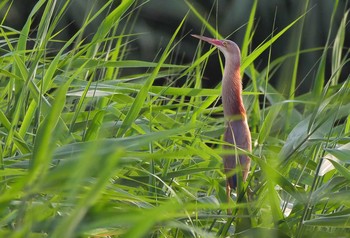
(156, 21)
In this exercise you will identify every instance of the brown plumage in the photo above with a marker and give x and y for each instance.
(237, 131)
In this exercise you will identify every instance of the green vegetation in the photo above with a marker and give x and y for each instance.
(91, 148)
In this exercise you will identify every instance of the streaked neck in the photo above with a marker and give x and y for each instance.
(232, 90)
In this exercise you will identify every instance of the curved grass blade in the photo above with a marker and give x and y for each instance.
(135, 109)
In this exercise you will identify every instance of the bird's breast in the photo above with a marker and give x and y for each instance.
(237, 132)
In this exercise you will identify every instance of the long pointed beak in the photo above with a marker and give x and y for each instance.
(209, 40)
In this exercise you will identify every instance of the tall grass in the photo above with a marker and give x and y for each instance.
(91, 148)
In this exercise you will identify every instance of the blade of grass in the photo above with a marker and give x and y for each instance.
(142, 95)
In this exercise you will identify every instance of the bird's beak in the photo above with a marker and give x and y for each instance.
(209, 40)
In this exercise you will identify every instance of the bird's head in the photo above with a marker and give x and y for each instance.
(227, 47)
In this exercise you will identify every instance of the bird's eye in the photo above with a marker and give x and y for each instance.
(224, 44)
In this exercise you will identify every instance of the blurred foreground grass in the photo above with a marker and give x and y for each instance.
(87, 151)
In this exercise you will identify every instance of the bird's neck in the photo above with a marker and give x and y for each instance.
(232, 91)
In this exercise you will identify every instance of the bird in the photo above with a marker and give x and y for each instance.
(237, 133)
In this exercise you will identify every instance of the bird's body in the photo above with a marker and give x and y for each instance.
(237, 133)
